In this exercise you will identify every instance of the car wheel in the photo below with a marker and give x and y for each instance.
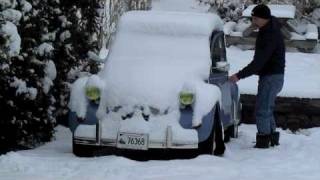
(81, 150)
(214, 144)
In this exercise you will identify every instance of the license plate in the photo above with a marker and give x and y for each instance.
(132, 141)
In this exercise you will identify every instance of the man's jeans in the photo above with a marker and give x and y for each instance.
(268, 88)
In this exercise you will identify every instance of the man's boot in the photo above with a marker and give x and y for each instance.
(275, 138)
(262, 141)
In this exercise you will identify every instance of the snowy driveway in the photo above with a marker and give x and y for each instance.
(296, 158)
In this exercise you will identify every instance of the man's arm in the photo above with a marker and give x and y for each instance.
(262, 54)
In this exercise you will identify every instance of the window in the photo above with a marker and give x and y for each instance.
(218, 51)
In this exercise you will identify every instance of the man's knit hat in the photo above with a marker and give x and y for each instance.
(261, 11)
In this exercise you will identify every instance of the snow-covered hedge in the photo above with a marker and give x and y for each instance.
(26, 103)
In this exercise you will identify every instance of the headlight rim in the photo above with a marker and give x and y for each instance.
(186, 93)
(93, 96)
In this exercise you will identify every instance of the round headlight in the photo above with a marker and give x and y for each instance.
(93, 93)
(186, 98)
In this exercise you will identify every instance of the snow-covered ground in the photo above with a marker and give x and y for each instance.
(296, 158)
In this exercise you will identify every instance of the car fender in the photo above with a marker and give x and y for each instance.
(90, 119)
(205, 129)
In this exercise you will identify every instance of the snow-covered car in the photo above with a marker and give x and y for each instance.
(164, 85)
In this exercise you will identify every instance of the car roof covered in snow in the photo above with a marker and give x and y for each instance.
(170, 23)
(155, 54)
(277, 10)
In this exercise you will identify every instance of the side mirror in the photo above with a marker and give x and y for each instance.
(222, 66)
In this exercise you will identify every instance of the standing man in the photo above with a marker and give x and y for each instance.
(268, 63)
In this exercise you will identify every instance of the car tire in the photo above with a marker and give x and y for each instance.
(81, 150)
(214, 145)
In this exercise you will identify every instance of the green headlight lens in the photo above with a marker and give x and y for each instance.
(186, 98)
(93, 93)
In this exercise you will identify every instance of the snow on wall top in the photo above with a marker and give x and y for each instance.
(170, 23)
(280, 11)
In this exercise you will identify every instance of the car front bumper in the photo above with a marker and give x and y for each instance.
(167, 144)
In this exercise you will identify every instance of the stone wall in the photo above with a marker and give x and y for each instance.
(292, 113)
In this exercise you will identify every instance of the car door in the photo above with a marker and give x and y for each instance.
(219, 75)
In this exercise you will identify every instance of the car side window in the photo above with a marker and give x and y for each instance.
(218, 51)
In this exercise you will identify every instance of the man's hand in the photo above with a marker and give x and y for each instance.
(234, 78)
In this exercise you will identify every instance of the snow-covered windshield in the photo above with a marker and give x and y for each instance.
(155, 55)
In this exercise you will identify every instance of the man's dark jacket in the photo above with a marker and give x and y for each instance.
(269, 56)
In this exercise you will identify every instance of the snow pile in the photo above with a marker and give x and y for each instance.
(45, 49)
(312, 31)
(50, 71)
(64, 22)
(4, 4)
(229, 27)
(280, 11)
(4, 66)
(93, 56)
(298, 26)
(236, 29)
(303, 30)
(11, 15)
(206, 97)
(103, 53)
(22, 88)
(26, 6)
(95, 81)
(65, 35)
(242, 25)
(50, 75)
(10, 30)
(78, 101)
